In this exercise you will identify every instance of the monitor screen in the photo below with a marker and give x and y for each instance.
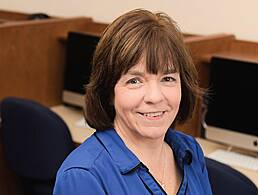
(80, 48)
(233, 97)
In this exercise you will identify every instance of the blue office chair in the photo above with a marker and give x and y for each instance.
(225, 180)
(36, 141)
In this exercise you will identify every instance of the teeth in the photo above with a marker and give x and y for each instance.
(153, 114)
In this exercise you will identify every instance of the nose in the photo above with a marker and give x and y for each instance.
(153, 93)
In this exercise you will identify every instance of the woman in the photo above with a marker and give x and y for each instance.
(142, 83)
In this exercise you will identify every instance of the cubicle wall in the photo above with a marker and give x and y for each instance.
(7, 16)
(32, 57)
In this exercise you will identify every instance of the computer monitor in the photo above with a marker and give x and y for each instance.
(80, 48)
(232, 115)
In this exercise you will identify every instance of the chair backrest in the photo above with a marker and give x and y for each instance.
(36, 140)
(225, 180)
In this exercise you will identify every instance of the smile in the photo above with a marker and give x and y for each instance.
(153, 115)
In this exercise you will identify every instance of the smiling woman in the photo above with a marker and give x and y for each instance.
(142, 83)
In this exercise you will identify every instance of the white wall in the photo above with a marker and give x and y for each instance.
(239, 17)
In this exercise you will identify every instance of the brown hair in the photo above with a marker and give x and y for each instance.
(135, 35)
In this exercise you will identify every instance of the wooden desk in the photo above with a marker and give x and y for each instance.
(72, 115)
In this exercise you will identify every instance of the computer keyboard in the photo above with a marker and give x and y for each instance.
(233, 158)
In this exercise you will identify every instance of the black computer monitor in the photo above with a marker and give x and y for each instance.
(232, 113)
(80, 48)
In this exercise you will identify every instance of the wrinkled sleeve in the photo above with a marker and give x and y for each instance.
(205, 177)
(77, 181)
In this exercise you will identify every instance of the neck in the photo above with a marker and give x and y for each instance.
(144, 148)
(149, 154)
(149, 151)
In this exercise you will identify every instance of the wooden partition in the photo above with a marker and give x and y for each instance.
(240, 50)
(8, 16)
(32, 58)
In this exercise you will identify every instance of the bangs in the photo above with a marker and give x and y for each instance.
(159, 53)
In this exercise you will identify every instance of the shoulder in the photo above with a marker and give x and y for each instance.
(84, 156)
(76, 173)
(77, 181)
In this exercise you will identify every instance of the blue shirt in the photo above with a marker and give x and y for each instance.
(104, 165)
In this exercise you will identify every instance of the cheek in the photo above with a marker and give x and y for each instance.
(174, 97)
(125, 100)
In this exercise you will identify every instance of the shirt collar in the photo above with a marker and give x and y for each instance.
(183, 153)
(127, 161)
(118, 151)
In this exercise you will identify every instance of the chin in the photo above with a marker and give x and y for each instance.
(153, 132)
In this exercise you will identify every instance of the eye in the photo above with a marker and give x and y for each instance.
(168, 79)
(133, 81)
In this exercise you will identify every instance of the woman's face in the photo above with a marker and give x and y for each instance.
(146, 104)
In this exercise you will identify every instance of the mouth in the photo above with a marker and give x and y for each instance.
(152, 115)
